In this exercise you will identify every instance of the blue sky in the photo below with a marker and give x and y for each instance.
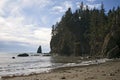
(26, 24)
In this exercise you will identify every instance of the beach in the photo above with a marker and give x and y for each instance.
(106, 71)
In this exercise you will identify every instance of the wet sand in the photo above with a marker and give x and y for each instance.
(105, 71)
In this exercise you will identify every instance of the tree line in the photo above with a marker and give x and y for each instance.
(87, 31)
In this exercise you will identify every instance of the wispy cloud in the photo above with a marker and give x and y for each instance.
(67, 4)
(38, 3)
(58, 9)
(79, 3)
(62, 7)
(15, 27)
(91, 6)
(91, 0)
(2, 6)
(27, 22)
(31, 34)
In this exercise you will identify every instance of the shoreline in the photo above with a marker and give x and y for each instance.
(83, 63)
(105, 71)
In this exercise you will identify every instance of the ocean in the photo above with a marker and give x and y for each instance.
(37, 64)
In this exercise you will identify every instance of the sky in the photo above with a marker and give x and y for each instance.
(26, 24)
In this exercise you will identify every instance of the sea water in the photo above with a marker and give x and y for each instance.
(23, 65)
(37, 64)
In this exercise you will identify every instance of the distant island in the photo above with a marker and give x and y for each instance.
(87, 32)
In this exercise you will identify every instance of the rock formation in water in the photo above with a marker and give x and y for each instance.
(87, 33)
(39, 50)
(23, 55)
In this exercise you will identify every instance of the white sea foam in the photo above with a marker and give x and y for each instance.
(35, 64)
(23, 65)
(85, 63)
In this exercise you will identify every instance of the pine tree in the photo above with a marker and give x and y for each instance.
(85, 32)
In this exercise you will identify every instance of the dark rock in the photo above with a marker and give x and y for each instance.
(46, 54)
(110, 48)
(114, 52)
(39, 50)
(23, 55)
(118, 70)
(63, 77)
(13, 57)
(111, 74)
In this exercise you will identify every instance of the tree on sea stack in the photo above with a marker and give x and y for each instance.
(39, 49)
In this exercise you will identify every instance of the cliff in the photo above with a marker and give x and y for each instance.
(87, 33)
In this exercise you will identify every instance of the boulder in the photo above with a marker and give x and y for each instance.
(23, 55)
(13, 57)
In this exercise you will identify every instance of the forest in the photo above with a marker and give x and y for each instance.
(87, 32)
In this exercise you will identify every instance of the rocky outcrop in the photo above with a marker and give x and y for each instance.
(114, 52)
(110, 47)
(106, 43)
(39, 50)
(23, 55)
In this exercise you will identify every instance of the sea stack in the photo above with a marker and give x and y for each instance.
(39, 49)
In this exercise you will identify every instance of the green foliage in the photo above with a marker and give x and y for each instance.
(83, 32)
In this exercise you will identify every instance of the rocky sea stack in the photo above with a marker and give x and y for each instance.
(39, 50)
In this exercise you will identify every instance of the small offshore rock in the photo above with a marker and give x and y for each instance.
(13, 57)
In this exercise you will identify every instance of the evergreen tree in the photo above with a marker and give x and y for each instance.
(86, 32)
